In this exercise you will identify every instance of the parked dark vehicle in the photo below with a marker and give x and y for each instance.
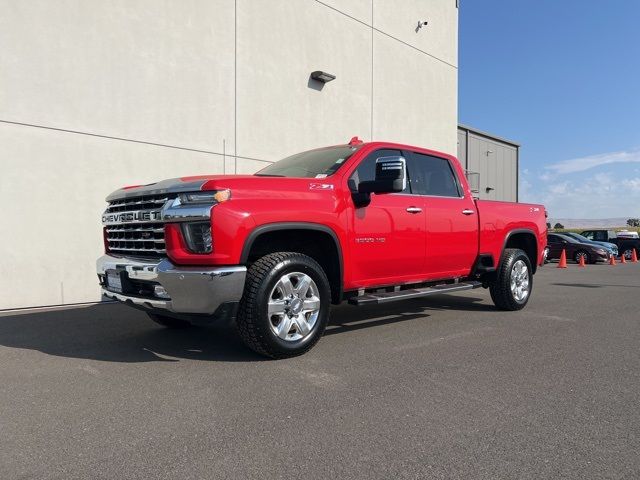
(625, 244)
(591, 253)
(612, 248)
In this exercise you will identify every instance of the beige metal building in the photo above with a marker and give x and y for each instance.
(99, 94)
(491, 162)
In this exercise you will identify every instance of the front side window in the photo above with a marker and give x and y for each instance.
(319, 163)
(366, 171)
(432, 176)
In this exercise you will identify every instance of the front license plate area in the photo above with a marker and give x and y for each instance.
(117, 281)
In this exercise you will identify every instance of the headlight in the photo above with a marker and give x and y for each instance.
(212, 197)
(197, 236)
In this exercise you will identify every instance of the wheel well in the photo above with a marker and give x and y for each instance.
(525, 241)
(317, 244)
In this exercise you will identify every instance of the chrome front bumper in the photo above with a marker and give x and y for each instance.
(197, 290)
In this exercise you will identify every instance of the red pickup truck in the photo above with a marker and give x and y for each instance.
(366, 223)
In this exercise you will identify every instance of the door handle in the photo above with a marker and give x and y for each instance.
(468, 211)
(414, 209)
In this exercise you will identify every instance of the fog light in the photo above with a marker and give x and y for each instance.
(160, 292)
(197, 236)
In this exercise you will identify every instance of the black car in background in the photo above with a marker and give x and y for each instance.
(625, 244)
(556, 242)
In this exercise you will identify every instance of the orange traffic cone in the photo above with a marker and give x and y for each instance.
(581, 261)
(634, 256)
(612, 260)
(563, 259)
(623, 259)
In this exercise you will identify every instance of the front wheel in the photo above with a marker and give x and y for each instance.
(627, 253)
(582, 254)
(514, 281)
(285, 305)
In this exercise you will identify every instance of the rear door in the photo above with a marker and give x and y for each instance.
(451, 217)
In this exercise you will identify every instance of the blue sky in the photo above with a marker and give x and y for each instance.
(562, 78)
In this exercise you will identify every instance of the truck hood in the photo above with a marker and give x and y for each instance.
(257, 185)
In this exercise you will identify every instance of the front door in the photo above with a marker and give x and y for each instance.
(387, 237)
(555, 246)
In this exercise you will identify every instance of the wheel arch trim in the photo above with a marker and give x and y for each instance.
(517, 231)
(279, 226)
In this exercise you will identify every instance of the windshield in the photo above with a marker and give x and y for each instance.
(577, 236)
(568, 238)
(318, 163)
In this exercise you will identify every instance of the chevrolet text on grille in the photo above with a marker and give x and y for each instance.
(136, 216)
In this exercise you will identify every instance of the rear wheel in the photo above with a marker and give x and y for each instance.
(627, 253)
(169, 322)
(285, 305)
(514, 281)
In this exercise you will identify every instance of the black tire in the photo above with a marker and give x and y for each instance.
(253, 323)
(169, 322)
(627, 253)
(500, 288)
(587, 257)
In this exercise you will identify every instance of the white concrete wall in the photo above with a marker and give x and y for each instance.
(96, 95)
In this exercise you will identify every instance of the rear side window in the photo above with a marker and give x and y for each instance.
(553, 239)
(600, 236)
(432, 176)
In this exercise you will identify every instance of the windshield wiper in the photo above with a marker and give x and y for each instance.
(268, 175)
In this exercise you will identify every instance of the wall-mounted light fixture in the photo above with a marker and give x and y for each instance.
(323, 77)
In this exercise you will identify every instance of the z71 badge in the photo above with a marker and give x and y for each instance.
(320, 186)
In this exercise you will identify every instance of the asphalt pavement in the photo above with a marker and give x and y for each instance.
(445, 387)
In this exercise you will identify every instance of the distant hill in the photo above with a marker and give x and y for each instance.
(589, 222)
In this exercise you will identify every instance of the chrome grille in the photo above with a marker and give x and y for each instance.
(145, 239)
(147, 202)
(136, 238)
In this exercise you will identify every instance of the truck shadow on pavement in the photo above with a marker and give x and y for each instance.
(115, 333)
(593, 285)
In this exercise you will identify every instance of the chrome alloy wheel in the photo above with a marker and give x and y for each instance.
(582, 255)
(294, 306)
(520, 281)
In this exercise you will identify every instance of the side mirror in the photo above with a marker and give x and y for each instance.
(391, 176)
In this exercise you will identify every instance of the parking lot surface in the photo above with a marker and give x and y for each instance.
(445, 387)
